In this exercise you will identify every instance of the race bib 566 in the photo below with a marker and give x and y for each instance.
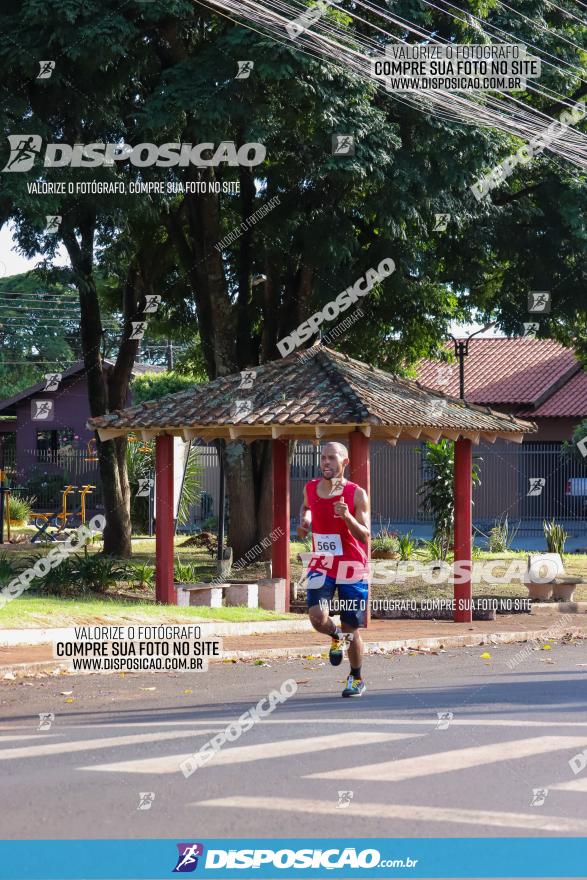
(328, 544)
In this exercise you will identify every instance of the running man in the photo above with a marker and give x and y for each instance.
(337, 513)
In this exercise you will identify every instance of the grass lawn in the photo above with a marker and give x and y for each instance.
(50, 611)
(127, 602)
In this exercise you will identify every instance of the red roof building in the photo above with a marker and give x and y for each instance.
(531, 378)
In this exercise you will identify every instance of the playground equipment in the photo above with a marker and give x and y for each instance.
(63, 518)
(85, 490)
(92, 453)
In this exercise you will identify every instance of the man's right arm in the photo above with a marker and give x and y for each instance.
(305, 518)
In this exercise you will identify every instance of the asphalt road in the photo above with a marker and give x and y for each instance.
(410, 774)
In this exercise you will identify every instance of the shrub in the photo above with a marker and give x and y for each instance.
(20, 507)
(59, 581)
(406, 546)
(94, 572)
(185, 573)
(435, 549)
(556, 537)
(142, 574)
(501, 537)
(7, 568)
(385, 542)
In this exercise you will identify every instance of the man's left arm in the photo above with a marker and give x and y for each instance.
(358, 524)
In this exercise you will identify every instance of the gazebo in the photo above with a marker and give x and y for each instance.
(316, 394)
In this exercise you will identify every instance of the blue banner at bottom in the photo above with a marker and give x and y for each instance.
(258, 859)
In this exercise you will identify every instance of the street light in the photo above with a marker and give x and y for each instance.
(462, 350)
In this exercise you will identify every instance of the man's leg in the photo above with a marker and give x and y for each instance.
(318, 612)
(356, 647)
(354, 599)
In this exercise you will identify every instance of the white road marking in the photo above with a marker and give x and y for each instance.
(455, 759)
(89, 745)
(574, 785)
(259, 752)
(367, 722)
(41, 735)
(405, 812)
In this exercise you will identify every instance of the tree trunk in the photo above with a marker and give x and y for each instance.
(105, 393)
(242, 532)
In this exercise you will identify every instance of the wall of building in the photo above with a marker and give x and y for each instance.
(70, 410)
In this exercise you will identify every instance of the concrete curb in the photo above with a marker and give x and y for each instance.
(431, 644)
(9, 638)
(12, 637)
(559, 607)
(426, 644)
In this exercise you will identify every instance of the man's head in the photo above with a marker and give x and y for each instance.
(334, 457)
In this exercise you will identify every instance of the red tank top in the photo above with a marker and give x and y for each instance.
(332, 541)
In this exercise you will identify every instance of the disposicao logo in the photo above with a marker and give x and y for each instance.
(25, 148)
(330, 859)
(187, 860)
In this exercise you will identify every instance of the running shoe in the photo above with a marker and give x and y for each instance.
(355, 687)
(335, 654)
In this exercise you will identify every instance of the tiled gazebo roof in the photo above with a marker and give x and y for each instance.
(312, 394)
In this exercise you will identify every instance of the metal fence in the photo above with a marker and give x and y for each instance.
(526, 482)
(45, 474)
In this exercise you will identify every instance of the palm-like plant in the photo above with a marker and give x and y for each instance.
(191, 489)
(437, 490)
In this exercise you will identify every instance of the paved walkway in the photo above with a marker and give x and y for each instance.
(383, 634)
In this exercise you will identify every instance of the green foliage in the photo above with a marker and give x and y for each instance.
(437, 491)
(501, 536)
(165, 72)
(191, 489)
(7, 567)
(142, 574)
(406, 546)
(185, 573)
(20, 507)
(140, 464)
(30, 348)
(153, 386)
(570, 449)
(435, 549)
(211, 525)
(59, 581)
(385, 542)
(95, 573)
(556, 537)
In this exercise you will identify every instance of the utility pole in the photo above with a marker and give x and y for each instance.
(169, 354)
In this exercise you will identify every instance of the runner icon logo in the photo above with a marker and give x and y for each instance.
(187, 860)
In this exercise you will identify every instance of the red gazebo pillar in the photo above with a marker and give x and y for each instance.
(463, 528)
(164, 589)
(360, 473)
(281, 514)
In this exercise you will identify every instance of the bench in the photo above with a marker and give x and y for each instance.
(559, 586)
(268, 593)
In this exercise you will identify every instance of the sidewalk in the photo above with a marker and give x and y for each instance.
(381, 636)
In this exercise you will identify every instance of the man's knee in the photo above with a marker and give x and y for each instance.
(318, 615)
